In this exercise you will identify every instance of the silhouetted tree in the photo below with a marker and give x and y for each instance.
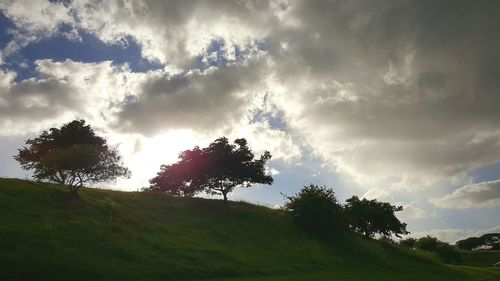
(317, 211)
(469, 243)
(184, 178)
(72, 155)
(216, 169)
(371, 217)
(486, 241)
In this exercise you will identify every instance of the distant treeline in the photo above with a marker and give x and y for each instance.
(489, 241)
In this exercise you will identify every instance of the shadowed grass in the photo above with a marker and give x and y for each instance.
(46, 234)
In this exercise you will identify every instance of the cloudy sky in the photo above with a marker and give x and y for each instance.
(395, 100)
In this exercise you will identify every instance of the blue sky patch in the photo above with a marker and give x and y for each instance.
(487, 173)
(5, 36)
(88, 49)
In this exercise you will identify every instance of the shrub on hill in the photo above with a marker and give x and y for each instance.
(446, 252)
(408, 242)
(316, 210)
(427, 243)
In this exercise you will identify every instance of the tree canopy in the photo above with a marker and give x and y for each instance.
(486, 241)
(72, 155)
(316, 209)
(216, 169)
(371, 217)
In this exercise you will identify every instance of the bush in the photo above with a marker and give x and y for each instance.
(408, 242)
(316, 210)
(448, 253)
(427, 243)
(445, 251)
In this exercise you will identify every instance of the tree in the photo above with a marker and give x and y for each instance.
(184, 178)
(216, 169)
(487, 241)
(317, 211)
(371, 217)
(72, 155)
(469, 243)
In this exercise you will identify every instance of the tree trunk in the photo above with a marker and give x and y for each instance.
(225, 196)
(74, 191)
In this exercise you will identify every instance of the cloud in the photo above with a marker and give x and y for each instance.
(261, 137)
(478, 195)
(200, 100)
(60, 92)
(390, 94)
(379, 194)
(169, 32)
(33, 101)
(412, 212)
(176, 32)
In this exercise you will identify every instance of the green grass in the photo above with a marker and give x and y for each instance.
(484, 258)
(45, 234)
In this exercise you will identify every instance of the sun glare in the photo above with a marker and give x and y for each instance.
(144, 156)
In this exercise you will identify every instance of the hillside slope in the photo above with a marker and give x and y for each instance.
(45, 234)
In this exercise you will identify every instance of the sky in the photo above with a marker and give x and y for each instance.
(391, 100)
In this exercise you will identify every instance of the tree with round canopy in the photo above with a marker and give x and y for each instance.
(72, 155)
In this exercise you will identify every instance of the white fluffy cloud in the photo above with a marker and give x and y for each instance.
(478, 195)
(62, 91)
(175, 32)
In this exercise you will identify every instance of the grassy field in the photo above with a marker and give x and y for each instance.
(45, 234)
(481, 258)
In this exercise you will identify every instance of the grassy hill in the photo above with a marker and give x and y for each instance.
(45, 234)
